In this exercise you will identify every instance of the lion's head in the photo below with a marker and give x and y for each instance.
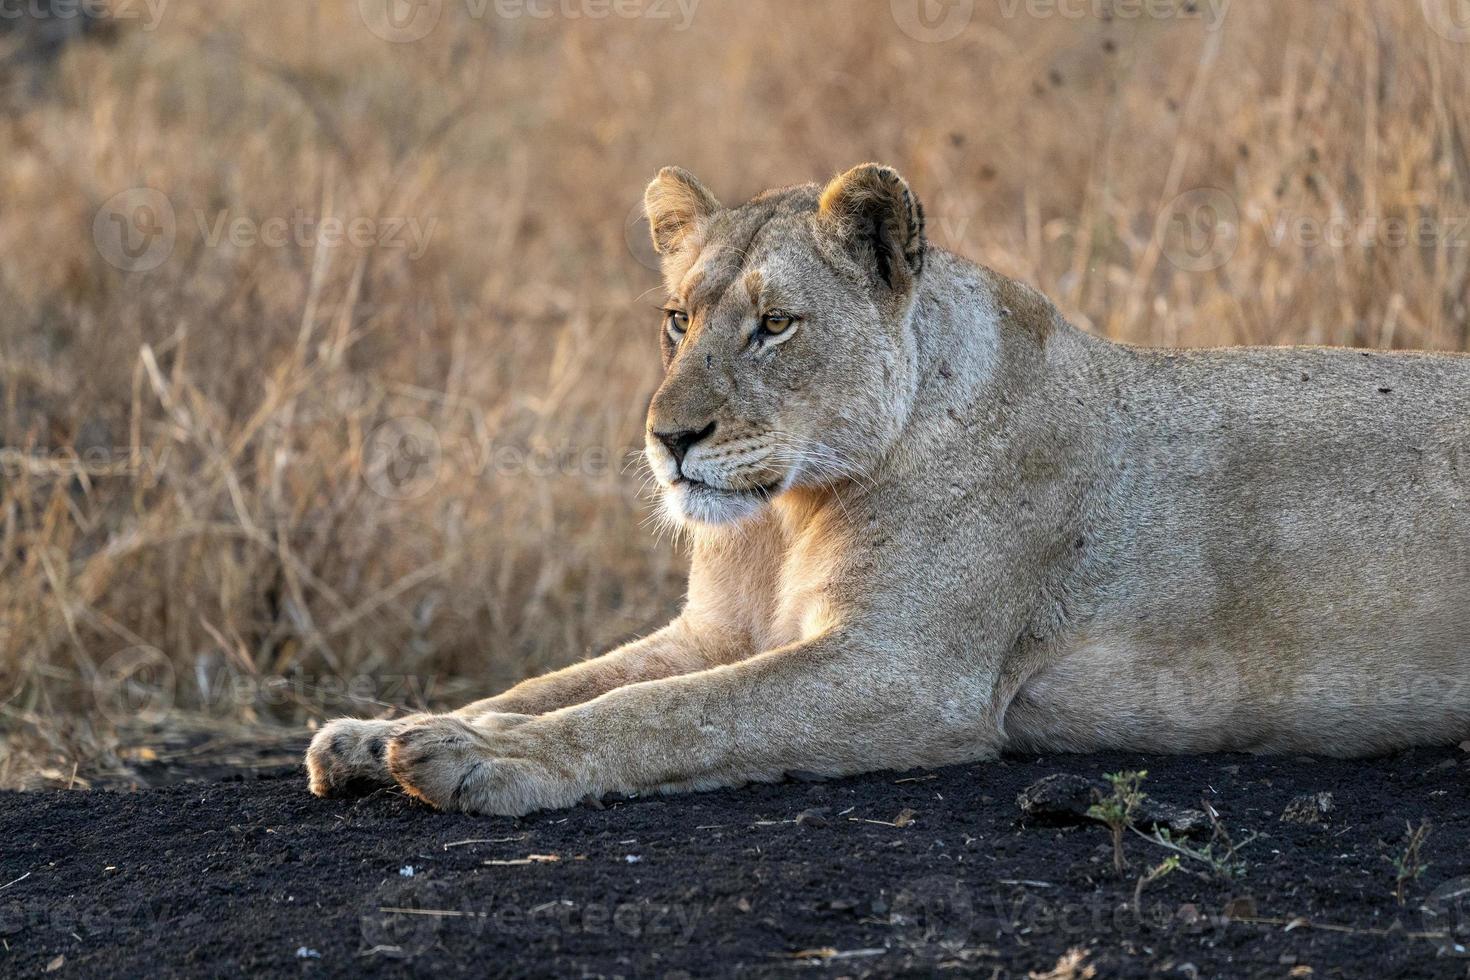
(788, 355)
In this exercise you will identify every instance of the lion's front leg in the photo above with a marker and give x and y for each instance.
(349, 754)
(679, 648)
(829, 707)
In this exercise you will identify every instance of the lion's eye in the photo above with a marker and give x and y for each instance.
(676, 322)
(776, 323)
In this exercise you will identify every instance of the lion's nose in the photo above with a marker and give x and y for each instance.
(680, 442)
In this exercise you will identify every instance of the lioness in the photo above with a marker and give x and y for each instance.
(932, 521)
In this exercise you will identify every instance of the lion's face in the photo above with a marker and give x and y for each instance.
(787, 353)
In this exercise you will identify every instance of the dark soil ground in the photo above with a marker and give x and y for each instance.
(881, 875)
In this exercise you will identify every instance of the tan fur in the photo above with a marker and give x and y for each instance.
(933, 521)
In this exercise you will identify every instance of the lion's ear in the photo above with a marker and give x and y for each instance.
(880, 220)
(677, 205)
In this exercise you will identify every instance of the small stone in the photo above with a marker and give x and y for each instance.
(812, 818)
(1309, 808)
(1066, 798)
(1062, 796)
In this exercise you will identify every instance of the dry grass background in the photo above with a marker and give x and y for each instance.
(190, 515)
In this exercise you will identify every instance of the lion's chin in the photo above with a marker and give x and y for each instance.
(699, 503)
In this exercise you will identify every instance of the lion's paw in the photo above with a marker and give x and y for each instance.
(488, 769)
(350, 754)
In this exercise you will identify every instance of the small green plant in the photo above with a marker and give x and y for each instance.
(1169, 865)
(1409, 865)
(1220, 855)
(1116, 810)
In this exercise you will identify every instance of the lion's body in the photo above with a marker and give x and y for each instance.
(1258, 549)
(1280, 559)
(989, 531)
